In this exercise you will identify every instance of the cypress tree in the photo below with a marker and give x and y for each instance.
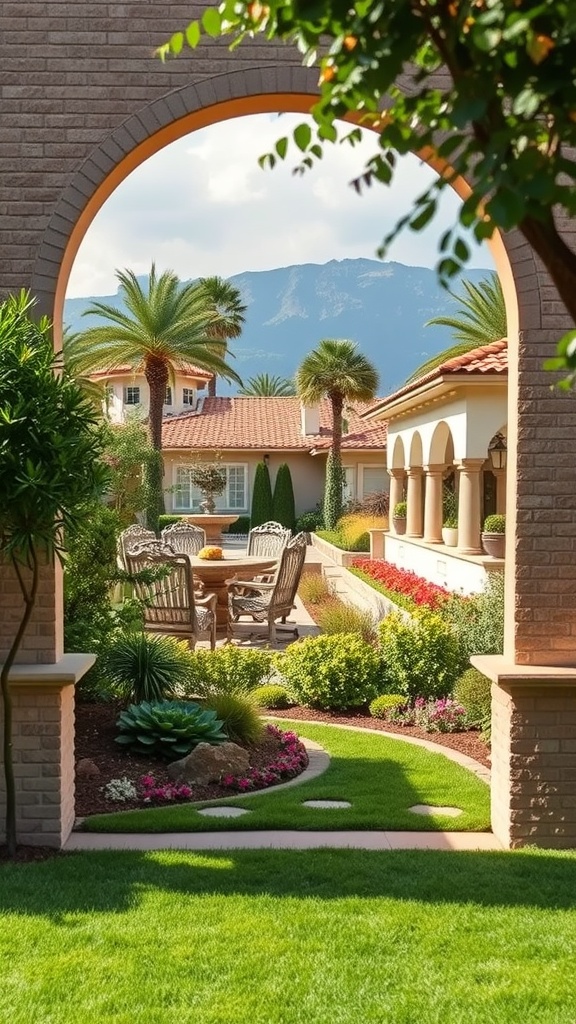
(283, 505)
(333, 491)
(261, 511)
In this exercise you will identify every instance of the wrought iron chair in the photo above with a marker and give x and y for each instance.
(185, 538)
(269, 539)
(129, 538)
(268, 601)
(170, 602)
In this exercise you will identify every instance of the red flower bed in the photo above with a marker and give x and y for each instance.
(402, 582)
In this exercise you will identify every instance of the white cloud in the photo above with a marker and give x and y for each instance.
(203, 206)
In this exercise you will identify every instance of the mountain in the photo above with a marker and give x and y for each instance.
(381, 306)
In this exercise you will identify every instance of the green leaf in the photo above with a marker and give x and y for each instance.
(281, 147)
(211, 22)
(176, 43)
(193, 34)
(302, 136)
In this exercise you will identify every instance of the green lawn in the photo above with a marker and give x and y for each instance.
(380, 777)
(279, 937)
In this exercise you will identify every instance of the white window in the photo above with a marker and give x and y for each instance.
(375, 479)
(132, 396)
(348, 488)
(188, 396)
(233, 499)
(168, 396)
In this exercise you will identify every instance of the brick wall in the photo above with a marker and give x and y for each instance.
(43, 751)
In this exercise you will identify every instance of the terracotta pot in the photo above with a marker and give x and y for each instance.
(494, 544)
(450, 536)
(399, 525)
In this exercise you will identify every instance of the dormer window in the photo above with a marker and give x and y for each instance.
(132, 396)
(168, 397)
(188, 396)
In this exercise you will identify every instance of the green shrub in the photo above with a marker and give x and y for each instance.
(400, 510)
(332, 671)
(381, 706)
(315, 588)
(271, 695)
(240, 525)
(472, 691)
(495, 524)
(146, 666)
(261, 508)
(344, 542)
(334, 481)
(338, 617)
(238, 714)
(283, 506)
(168, 520)
(421, 655)
(478, 620)
(167, 728)
(228, 669)
(310, 521)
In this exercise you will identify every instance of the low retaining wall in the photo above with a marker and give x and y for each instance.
(336, 555)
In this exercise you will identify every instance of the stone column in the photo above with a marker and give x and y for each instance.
(533, 789)
(469, 506)
(500, 475)
(433, 504)
(396, 492)
(43, 750)
(414, 502)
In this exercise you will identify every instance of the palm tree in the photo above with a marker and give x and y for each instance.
(265, 386)
(338, 371)
(226, 303)
(479, 320)
(159, 331)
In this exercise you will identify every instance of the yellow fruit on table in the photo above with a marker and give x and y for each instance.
(211, 553)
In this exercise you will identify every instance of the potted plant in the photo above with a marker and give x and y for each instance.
(210, 478)
(399, 517)
(493, 535)
(449, 517)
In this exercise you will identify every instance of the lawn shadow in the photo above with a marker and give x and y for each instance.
(113, 882)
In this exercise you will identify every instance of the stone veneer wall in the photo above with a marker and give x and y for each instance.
(534, 764)
(43, 750)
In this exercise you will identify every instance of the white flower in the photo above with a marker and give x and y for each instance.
(120, 789)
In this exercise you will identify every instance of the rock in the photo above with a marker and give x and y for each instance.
(87, 768)
(208, 763)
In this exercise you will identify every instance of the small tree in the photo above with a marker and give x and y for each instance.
(49, 449)
(261, 511)
(333, 504)
(283, 506)
(128, 456)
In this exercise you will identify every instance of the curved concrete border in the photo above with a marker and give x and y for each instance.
(318, 761)
(464, 760)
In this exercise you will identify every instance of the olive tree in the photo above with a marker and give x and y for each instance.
(49, 449)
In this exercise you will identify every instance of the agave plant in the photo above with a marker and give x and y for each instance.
(168, 728)
(146, 666)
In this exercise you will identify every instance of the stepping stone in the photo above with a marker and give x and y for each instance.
(448, 812)
(223, 812)
(326, 803)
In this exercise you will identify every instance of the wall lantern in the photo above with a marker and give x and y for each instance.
(498, 452)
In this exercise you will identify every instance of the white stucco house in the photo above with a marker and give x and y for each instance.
(448, 428)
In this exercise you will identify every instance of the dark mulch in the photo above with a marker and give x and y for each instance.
(29, 853)
(95, 742)
(466, 742)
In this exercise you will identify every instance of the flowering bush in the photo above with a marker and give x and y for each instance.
(402, 586)
(120, 789)
(443, 715)
(289, 762)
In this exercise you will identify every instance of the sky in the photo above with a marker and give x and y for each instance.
(202, 206)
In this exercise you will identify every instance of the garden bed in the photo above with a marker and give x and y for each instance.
(99, 759)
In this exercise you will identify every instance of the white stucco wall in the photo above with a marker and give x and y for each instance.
(464, 575)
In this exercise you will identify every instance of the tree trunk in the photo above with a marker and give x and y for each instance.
(558, 259)
(156, 373)
(29, 602)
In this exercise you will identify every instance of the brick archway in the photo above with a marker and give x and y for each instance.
(85, 104)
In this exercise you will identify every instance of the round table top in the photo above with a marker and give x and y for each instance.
(232, 561)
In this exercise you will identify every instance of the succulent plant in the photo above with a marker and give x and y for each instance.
(167, 728)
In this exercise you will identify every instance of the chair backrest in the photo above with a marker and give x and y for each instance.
(129, 537)
(270, 539)
(185, 538)
(169, 601)
(289, 572)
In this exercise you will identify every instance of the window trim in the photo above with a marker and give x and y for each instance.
(225, 509)
(132, 387)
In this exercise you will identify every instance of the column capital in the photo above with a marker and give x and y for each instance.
(470, 465)
(415, 471)
(396, 472)
(435, 467)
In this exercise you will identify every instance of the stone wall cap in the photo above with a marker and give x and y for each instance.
(501, 670)
(65, 672)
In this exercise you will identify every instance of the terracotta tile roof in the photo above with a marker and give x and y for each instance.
(185, 370)
(486, 360)
(269, 424)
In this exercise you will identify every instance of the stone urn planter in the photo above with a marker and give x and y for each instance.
(399, 518)
(494, 536)
(450, 536)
